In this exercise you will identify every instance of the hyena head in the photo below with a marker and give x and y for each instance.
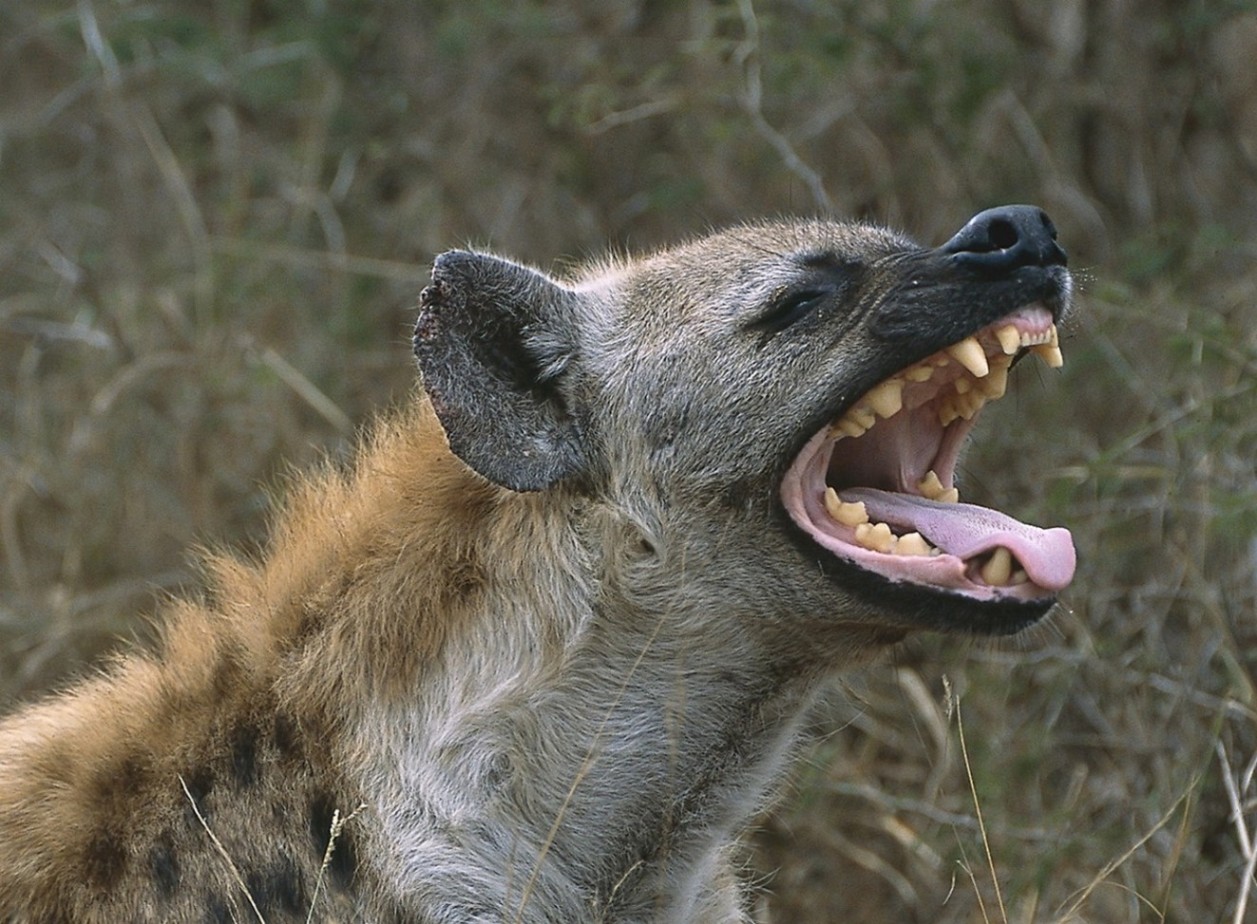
(774, 413)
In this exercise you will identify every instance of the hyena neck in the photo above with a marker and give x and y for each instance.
(601, 753)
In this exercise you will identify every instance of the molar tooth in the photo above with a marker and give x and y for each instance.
(848, 427)
(848, 514)
(922, 373)
(1049, 354)
(875, 536)
(1019, 576)
(998, 568)
(912, 544)
(863, 416)
(930, 486)
(1009, 339)
(886, 399)
(963, 384)
(969, 353)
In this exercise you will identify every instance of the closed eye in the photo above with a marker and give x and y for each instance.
(789, 309)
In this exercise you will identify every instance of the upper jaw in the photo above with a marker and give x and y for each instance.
(875, 487)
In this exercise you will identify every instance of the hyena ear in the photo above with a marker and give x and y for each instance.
(493, 340)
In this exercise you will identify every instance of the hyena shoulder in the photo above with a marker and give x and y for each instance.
(229, 721)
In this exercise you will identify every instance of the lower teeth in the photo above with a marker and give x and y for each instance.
(877, 537)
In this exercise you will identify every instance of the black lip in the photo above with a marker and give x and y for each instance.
(934, 307)
(917, 606)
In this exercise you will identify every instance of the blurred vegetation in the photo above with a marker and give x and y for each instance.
(215, 218)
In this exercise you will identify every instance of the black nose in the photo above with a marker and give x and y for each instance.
(1005, 238)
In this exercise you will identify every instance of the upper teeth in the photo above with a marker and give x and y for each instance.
(1009, 339)
(969, 353)
(986, 379)
(886, 399)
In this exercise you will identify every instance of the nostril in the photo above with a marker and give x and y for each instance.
(1002, 234)
(1048, 226)
(1005, 238)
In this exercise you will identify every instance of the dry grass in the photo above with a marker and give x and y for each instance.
(214, 219)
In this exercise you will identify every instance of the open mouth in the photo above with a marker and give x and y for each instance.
(876, 486)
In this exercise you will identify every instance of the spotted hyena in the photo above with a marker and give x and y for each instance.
(542, 649)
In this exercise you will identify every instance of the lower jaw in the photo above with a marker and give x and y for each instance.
(915, 607)
(942, 575)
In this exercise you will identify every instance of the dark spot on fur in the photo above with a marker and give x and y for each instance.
(116, 785)
(278, 889)
(104, 859)
(199, 783)
(321, 813)
(226, 679)
(244, 755)
(163, 865)
(56, 910)
(287, 737)
(500, 772)
(217, 911)
(344, 860)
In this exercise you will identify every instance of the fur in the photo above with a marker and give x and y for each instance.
(547, 675)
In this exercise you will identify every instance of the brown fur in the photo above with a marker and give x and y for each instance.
(258, 679)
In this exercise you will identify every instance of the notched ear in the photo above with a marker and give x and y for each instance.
(493, 340)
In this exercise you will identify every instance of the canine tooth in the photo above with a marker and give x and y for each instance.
(999, 567)
(833, 503)
(1009, 339)
(912, 544)
(1050, 354)
(950, 496)
(848, 514)
(875, 536)
(886, 399)
(930, 486)
(921, 373)
(1054, 336)
(969, 353)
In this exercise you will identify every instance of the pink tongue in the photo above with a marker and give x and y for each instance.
(966, 530)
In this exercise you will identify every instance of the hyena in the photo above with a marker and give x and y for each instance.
(544, 648)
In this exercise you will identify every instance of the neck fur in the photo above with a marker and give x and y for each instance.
(525, 716)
